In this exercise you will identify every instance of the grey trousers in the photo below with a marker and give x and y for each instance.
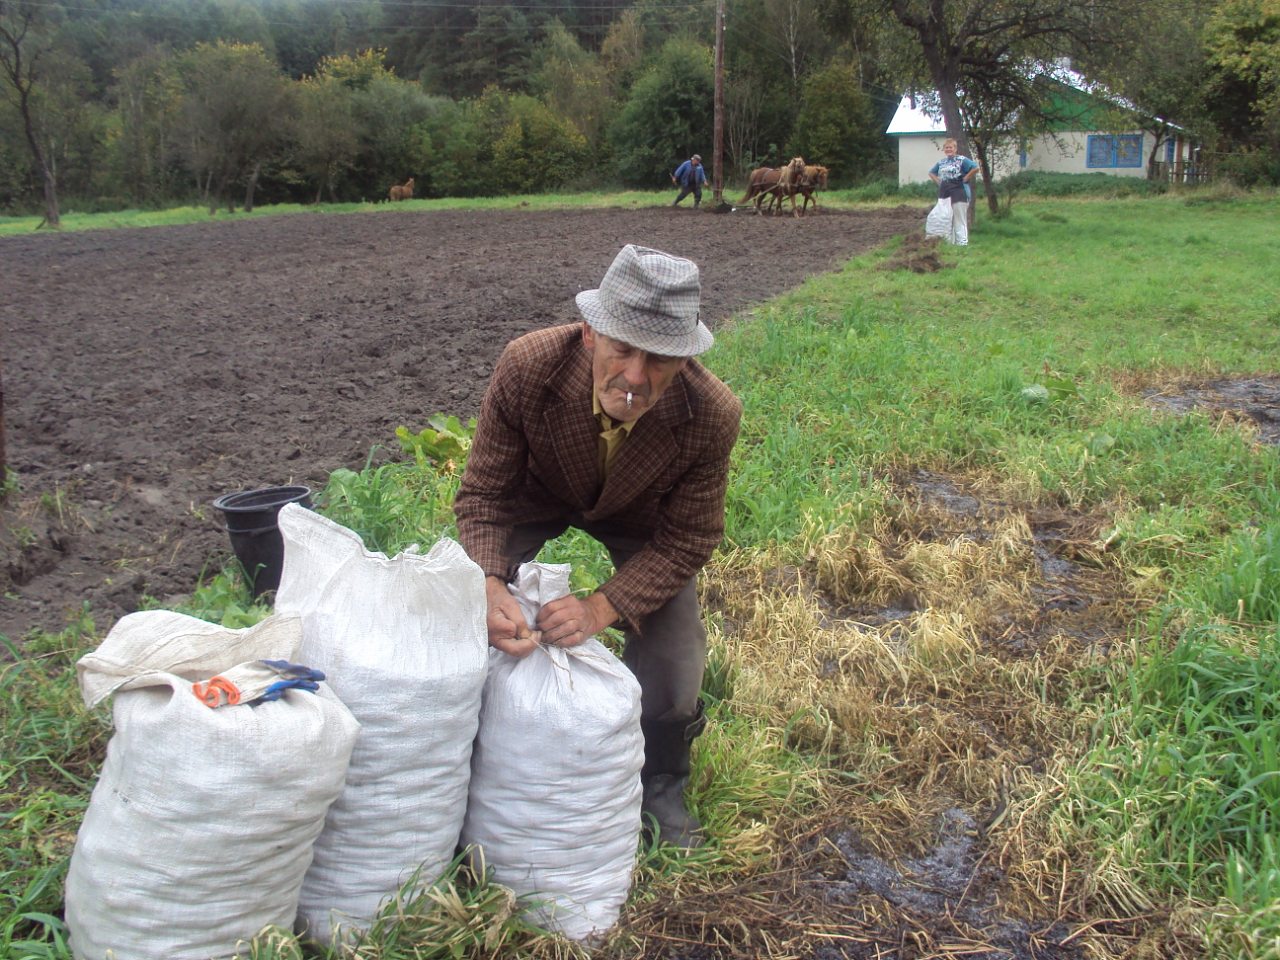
(669, 657)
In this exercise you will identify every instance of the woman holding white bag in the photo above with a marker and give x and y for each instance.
(951, 174)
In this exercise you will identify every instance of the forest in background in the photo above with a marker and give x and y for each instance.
(112, 104)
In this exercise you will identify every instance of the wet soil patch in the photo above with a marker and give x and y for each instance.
(925, 876)
(1253, 400)
(832, 898)
(148, 371)
(1076, 591)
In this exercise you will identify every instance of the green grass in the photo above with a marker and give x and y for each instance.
(1023, 364)
(71, 220)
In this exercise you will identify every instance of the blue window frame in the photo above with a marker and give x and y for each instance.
(1108, 150)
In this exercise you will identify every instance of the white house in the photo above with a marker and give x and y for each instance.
(1070, 149)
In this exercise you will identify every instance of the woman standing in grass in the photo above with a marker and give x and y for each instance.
(951, 174)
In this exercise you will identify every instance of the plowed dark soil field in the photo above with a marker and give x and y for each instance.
(148, 371)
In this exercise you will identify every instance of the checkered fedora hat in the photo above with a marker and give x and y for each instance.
(649, 299)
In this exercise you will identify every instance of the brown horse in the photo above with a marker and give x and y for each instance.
(813, 179)
(402, 191)
(789, 178)
(764, 180)
(774, 184)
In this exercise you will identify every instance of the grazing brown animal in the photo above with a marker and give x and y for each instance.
(403, 191)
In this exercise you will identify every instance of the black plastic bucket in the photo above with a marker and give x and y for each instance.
(251, 521)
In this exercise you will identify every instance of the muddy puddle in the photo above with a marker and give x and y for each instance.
(1255, 400)
(973, 596)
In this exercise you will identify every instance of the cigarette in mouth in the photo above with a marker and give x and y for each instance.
(628, 399)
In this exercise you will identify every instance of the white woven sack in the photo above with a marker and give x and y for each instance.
(200, 828)
(938, 222)
(555, 777)
(405, 644)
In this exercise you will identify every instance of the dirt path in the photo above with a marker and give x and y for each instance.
(148, 371)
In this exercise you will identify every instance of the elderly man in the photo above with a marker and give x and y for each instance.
(690, 177)
(612, 427)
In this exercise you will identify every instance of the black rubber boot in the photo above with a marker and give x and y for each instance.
(664, 778)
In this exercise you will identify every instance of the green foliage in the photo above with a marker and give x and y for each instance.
(455, 139)
(224, 599)
(388, 112)
(836, 125)
(391, 507)
(51, 746)
(325, 133)
(232, 96)
(400, 504)
(1189, 788)
(1248, 585)
(442, 445)
(1042, 184)
(1243, 39)
(536, 150)
(355, 72)
(573, 83)
(1251, 167)
(668, 115)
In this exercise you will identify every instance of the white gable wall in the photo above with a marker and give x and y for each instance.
(917, 152)
(1070, 154)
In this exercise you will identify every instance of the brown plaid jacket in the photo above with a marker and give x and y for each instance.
(536, 458)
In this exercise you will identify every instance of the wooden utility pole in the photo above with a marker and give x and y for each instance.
(717, 152)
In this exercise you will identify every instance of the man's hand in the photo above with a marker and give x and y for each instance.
(508, 631)
(569, 621)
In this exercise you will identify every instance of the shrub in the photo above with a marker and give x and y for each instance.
(837, 126)
(537, 150)
(668, 116)
(1251, 167)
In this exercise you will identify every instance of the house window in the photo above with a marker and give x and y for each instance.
(1123, 150)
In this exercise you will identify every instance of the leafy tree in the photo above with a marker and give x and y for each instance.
(355, 71)
(747, 101)
(27, 40)
(455, 138)
(572, 82)
(307, 31)
(325, 133)
(784, 38)
(623, 51)
(985, 46)
(961, 39)
(232, 102)
(385, 112)
(143, 152)
(497, 50)
(771, 46)
(668, 115)
(1164, 70)
(1243, 40)
(537, 150)
(837, 126)
(73, 125)
(388, 113)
